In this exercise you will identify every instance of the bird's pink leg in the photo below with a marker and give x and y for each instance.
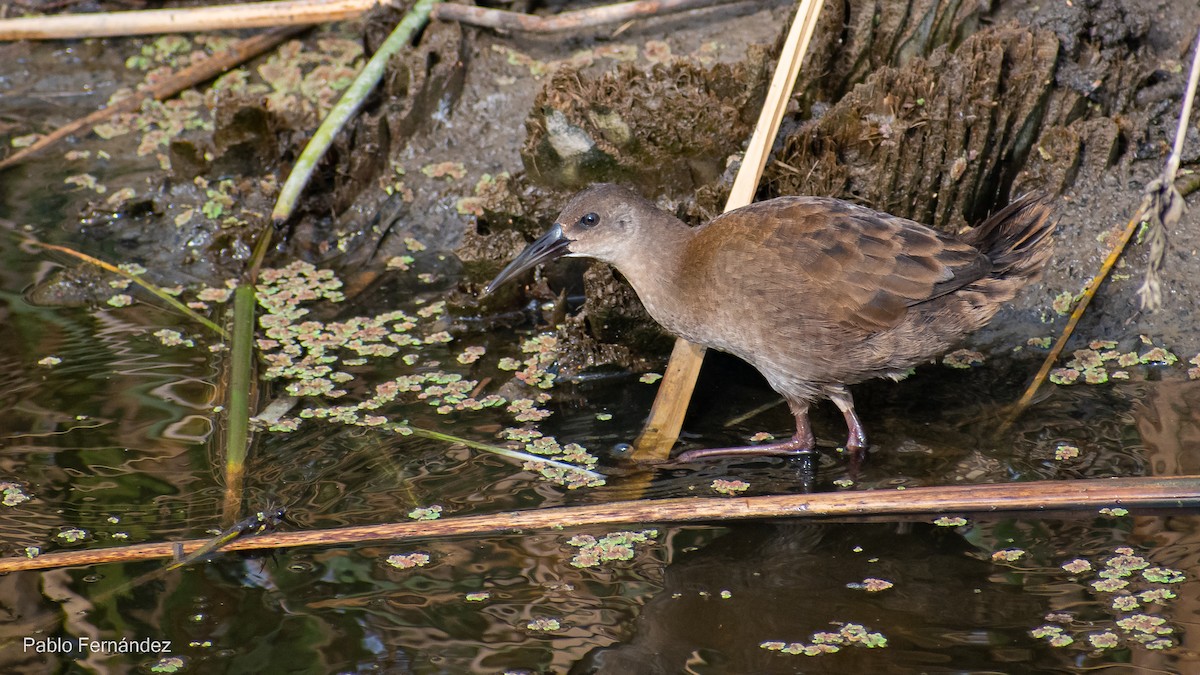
(802, 443)
(856, 438)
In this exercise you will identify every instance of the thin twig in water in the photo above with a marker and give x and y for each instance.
(1034, 497)
(155, 290)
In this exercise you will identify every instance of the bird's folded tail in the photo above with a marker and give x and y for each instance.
(1017, 239)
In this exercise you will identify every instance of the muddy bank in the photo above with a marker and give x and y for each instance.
(936, 111)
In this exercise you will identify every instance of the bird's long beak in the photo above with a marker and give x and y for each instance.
(547, 247)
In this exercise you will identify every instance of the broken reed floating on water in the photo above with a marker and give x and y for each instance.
(1035, 496)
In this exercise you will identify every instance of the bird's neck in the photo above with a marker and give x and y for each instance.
(653, 263)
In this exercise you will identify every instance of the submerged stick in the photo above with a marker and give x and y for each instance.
(204, 70)
(679, 380)
(1129, 493)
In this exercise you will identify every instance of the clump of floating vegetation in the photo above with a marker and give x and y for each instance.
(1103, 361)
(405, 561)
(314, 360)
(826, 642)
(1127, 592)
(612, 546)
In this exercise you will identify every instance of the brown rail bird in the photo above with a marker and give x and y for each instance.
(816, 293)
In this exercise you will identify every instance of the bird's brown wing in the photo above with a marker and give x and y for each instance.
(842, 264)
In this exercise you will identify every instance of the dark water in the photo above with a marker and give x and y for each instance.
(117, 441)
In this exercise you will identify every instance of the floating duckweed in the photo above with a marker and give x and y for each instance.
(72, 535)
(824, 642)
(1040, 342)
(1115, 511)
(1064, 375)
(477, 596)
(544, 624)
(1156, 595)
(612, 546)
(1109, 585)
(728, 486)
(1008, 555)
(1063, 302)
(1077, 566)
(285, 425)
(86, 181)
(1064, 452)
(121, 300)
(963, 358)
(1158, 356)
(172, 338)
(1127, 359)
(604, 417)
(167, 664)
(1125, 562)
(413, 245)
(214, 294)
(871, 585)
(471, 354)
(1105, 640)
(1163, 575)
(1046, 631)
(1145, 623)
(1125, 603)
(408, 560)
(426, 513)
(49, 361)
(517, 434)
(400, 262)
(524, 410)
(761, 436)
(650, 378)
(950, 521)
(433, 309)
(569, 478)
(13, 494)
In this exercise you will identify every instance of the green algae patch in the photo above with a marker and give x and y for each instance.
(405, 561)
(827, 642)
(613, 546)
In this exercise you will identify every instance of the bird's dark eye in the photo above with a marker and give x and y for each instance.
(589, 220)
